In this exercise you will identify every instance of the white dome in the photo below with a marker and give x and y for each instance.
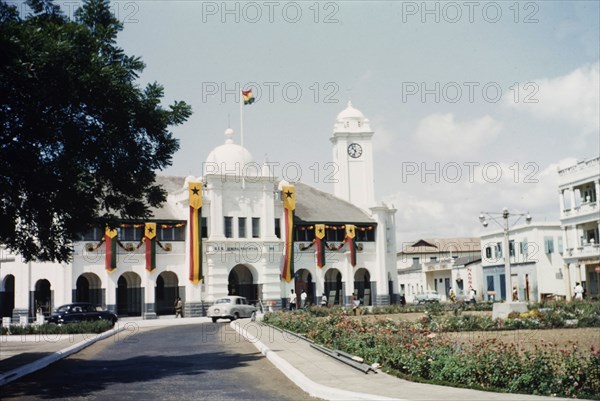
(350, 112)
(228, 159)
(192, 179)
(282, 183)
(351, 120)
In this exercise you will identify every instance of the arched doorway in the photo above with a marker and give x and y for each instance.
(241, 282)
(304, 281)
(165, 293)
(362, 286)
(334, 287)
(129, 295)
(42, 298)
(88, 288)
(7, 296)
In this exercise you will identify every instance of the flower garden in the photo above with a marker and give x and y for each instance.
(423, 351)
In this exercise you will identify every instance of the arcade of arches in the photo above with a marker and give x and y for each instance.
(7, 296)
(88, 288)
(241, 282)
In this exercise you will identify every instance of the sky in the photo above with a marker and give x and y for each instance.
(474, 104)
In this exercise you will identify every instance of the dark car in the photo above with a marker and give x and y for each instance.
(80, 312)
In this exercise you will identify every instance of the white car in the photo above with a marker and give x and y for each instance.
(428, 297)
(230, 307)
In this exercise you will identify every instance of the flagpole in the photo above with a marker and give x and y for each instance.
(241, 120)
(242, 134)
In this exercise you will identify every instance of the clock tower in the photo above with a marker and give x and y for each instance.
(353, 158)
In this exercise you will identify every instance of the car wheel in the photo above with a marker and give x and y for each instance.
(214, 319)
(235, 316)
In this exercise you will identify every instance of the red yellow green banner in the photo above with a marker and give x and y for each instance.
(319, 240)
(289, 205)
(150, 240)
(110, 239)
(195, 198)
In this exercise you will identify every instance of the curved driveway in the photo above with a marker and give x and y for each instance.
(190, 362)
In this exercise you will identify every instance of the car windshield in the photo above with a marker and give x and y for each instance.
(63, 308)
(223, 301)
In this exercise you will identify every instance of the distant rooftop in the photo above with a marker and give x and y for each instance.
(581, 165)
(312, 205)
(315, 206)
(442, 245)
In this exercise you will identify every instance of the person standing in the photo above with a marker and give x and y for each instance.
(303, 299)
(472, 295)
(292, 301)
(578, 292)
(178, 308)
(324, 300)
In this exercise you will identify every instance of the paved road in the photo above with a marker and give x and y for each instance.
(193, 362)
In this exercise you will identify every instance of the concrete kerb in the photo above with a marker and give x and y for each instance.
(312, 388)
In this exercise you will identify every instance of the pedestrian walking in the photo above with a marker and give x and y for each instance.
(292, 301)
(578, 292)
(472, 295)
(178, 308)
(303, 299)
(324, 300)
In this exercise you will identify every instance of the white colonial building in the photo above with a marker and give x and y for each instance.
(578, 190)
(439, 264)
(537, 270)
(240, 235)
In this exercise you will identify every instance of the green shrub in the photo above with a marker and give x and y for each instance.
(94, 327)
(412, 350)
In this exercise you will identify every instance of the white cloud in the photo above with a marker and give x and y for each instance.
(441, 135)
(574, 98)
(430, 206)
(383, 138)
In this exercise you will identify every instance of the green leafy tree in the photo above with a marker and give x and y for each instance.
(80, 141)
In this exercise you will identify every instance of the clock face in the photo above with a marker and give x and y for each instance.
(354, 150)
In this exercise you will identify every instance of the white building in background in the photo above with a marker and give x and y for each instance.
(438, 265)
(578, 190)
(537, 267)
(242, 242)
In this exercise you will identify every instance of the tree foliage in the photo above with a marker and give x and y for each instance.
(80, 141)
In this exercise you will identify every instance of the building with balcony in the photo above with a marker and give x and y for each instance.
(438, 265)
(537, 270)
(229, 240)
(578, 191)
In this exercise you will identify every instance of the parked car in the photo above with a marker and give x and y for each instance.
(428, 297)
(231, 307)
(80, 312)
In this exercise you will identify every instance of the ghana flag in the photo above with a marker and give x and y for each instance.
(150, 240)
(110, 239)
(195, 196)
(289, 205)
(248, 96)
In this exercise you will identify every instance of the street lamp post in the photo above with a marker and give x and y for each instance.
(506, 228)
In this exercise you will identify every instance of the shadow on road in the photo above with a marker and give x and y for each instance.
(77, 378)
